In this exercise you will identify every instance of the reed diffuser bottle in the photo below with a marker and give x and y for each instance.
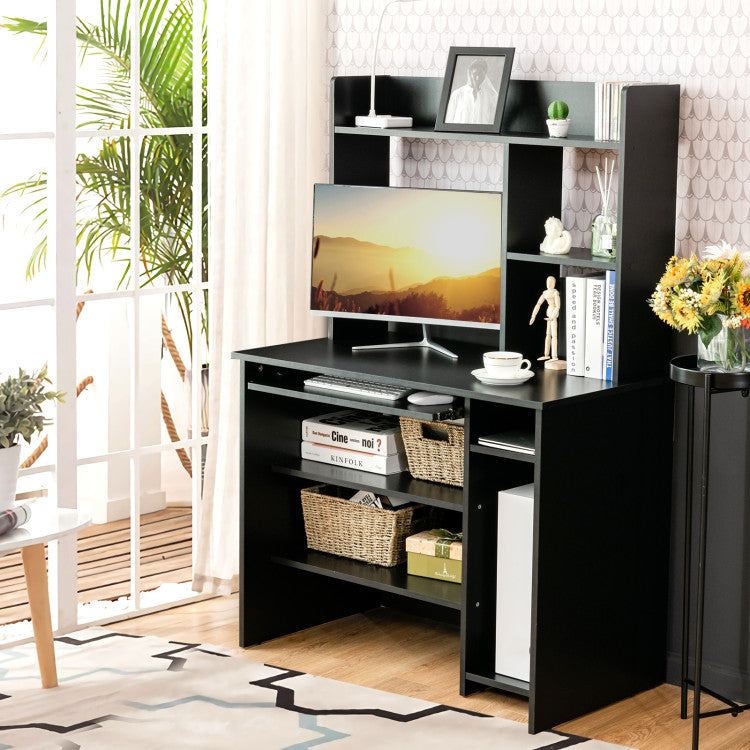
(604, 226)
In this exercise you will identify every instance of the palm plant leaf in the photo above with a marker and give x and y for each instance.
(167, 161)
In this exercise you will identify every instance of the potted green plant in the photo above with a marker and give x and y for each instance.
(558, 120)
(21, 400)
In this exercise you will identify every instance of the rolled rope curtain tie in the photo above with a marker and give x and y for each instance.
(44, 442)
(174, 436)
(82, 304)
(172, 348)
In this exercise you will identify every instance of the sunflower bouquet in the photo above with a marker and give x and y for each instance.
(710, 297)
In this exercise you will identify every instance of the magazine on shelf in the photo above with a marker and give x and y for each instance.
(353, 459)
(510, 440)
(365, 497)
(377, 434)
(13, 517)
(608, 95)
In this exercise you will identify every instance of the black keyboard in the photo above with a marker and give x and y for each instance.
(355, 387)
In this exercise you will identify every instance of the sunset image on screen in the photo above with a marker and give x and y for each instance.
(407, 252)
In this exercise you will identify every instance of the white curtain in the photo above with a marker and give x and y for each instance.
(268, 120)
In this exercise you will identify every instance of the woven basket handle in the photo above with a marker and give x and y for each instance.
(438, 431)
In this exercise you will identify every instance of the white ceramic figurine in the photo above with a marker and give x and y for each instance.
(556, 240)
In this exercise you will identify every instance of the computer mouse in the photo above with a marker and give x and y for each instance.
(425, 398)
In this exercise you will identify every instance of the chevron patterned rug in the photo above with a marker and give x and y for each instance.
(121, 691)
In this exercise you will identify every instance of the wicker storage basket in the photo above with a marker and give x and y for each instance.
(340, 527)
(435, 450)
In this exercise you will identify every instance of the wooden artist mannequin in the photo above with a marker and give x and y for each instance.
(552, 297)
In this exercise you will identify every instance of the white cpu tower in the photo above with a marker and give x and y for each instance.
(515, 537)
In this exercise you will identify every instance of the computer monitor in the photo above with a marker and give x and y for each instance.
(407, 254)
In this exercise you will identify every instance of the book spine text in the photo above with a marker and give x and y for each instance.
(352, 438)
(351, 459)
(609, 324)
(574, 323)
(594, 349)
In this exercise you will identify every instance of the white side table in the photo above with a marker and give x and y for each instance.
(44, 525)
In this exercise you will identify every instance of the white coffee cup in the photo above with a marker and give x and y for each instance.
(505, 365)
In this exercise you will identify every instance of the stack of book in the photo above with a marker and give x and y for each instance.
(590, 325)
(355, 440)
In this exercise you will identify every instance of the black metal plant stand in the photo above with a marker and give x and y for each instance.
(684, 370)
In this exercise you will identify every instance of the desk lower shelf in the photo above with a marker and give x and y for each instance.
(500, 682)
(401, 485)
(394, 580)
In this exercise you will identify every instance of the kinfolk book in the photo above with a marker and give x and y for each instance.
(351, 459)
(360, 431)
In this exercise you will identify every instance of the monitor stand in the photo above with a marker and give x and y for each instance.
(425, 343)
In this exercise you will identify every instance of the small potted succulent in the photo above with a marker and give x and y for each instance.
(21, 400)
(558, 121)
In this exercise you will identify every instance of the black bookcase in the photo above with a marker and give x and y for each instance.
(602, 450)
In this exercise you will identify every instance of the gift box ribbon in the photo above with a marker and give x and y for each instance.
(444, 540)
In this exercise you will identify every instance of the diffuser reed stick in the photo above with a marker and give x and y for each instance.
(605, 187)
(604, 227)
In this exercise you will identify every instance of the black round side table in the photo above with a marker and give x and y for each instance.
(684, 370)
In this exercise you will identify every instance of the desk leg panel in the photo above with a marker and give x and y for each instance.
(601, 554)
(35, 571)
(276, 599)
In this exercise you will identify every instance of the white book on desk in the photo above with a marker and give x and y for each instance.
(594, 349)
(609, 325)
(575, 323)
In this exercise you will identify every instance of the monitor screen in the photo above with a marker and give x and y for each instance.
(427, 256)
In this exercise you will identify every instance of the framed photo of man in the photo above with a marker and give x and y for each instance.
(474, 89)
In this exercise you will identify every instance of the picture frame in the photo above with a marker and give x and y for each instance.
(475, 87)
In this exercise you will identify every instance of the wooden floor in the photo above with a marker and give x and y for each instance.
(104, 561)
(386, 650)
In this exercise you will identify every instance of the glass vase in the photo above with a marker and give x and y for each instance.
(727, 351)
(604, 235)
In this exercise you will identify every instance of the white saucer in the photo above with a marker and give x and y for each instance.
(482, 376)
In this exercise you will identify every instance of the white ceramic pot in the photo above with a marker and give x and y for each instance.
(558, 128)
(9, 460)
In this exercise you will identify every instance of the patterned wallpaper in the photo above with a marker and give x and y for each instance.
(704, 45)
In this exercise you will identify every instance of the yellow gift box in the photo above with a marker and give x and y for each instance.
(435, 554)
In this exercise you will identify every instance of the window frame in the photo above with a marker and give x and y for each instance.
(61, 195)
